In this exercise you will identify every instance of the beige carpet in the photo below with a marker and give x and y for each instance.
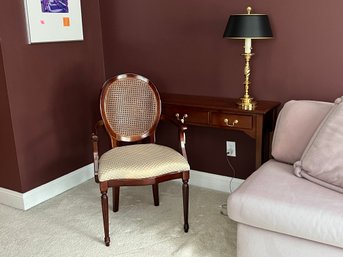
(71, 225)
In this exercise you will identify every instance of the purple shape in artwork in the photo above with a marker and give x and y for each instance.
(55, 6)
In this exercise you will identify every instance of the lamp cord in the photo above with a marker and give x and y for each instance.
(233, 171)
(223, 207)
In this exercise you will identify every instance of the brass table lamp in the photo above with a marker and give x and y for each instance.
(248, 26)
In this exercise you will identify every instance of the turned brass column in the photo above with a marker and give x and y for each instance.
(247, 102)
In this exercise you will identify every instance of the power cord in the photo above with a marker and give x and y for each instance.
(223, 207)
(233, 171)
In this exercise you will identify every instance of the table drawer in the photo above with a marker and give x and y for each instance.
(190, 115)
(232, 120)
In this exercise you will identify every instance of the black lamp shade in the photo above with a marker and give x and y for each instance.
(255, 26)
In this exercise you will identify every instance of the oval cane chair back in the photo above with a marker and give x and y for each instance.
(130, 107)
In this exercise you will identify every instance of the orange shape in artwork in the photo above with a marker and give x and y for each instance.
(66, 22)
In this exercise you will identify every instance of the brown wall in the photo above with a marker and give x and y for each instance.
(179, 46)
(9, 172)
(49, 92)
(52, 93)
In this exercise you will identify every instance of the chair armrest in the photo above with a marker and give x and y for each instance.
(95, 140)
(98, 125)
(182, 129)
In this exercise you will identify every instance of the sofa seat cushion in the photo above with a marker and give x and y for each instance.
(272, 198)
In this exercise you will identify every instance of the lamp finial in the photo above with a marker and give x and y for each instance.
(249, 9)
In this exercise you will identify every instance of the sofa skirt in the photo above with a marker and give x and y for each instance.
(256, 242)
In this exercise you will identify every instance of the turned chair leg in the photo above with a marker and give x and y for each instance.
(115, 193)
(185, 193)
(104, 205)
(155, 193)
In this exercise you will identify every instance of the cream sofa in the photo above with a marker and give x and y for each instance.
(280, 214)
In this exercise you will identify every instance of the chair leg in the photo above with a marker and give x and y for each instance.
(155, 193)
(104, 205)
(185, 193)
(115, 192)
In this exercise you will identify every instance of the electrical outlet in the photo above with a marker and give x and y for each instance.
(231, 148)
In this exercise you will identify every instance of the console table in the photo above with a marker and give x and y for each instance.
(224, 113)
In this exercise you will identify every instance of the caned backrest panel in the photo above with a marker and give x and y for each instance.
(130, 107)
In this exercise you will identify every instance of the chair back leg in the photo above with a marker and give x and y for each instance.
(115, 193)
(155, 193)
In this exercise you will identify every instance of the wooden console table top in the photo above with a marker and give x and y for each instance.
(222, 103)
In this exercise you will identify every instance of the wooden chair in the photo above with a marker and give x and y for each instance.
(130, 108)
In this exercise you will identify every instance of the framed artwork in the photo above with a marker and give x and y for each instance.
(53, 20)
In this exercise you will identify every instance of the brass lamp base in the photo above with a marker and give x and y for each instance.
(247, 104)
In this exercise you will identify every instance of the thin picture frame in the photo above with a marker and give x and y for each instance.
(53, 20)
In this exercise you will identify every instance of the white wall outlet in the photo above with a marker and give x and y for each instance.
(231, 148)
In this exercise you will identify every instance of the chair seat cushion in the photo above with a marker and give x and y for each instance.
(140, 161)
(272, 198)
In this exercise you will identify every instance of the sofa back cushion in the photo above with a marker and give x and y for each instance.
(322, 160)
(295, 126)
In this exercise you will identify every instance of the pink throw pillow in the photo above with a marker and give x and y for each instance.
(322, 160)
(298, 120)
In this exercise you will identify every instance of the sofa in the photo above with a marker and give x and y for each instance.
(284, 211)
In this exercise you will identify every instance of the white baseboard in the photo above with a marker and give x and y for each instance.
(25, 201)
(47, 191)
(11, 198)
(213, 181)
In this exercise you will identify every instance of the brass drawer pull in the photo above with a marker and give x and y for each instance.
(226, 121)
(183, 119)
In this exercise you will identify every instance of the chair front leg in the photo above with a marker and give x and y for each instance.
(104, 205)
(185, 193)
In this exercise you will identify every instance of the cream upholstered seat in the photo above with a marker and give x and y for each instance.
(140, 161)
(130, 109)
